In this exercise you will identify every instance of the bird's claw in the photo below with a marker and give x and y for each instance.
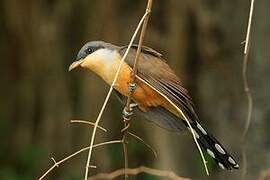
(133, 105)
(132, 87)
(126, 114)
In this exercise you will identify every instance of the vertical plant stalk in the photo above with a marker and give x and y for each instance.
(247, 89)
(107, 98)
(244, 70)
(136, 61)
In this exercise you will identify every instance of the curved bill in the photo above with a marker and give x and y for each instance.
(75, 65)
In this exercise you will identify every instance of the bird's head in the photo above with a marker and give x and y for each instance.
(94, 54)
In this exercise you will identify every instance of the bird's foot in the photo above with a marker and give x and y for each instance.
(127, 114)
(132, 87)
(133, 105)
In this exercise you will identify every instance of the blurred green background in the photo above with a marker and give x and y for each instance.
(200, 40)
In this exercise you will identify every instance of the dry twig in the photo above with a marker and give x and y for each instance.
(147, 145)
(135, 171)
(88, 122)
(244, 70)
(57, 163)
(136, 60)
(108, 96)
(246, 88)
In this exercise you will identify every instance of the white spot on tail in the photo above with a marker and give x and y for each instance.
(236, 166)
(230, 159)
(219, 148)
(221, 165)
(211, 153)
(201, 129)
(196, 134)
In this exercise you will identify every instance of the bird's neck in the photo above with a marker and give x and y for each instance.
(105, 64)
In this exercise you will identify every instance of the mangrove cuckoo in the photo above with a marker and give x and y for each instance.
(156, 85)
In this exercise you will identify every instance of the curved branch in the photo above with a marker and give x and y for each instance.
(57, 163)
(135, 171)
(88, 122)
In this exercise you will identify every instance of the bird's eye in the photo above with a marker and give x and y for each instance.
(89, 50)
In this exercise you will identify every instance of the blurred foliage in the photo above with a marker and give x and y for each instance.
(200, 40)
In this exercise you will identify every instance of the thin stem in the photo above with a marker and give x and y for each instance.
(57, 163)
(244, 70)
(136, 60)
(248, 94)
(247, 89)
(125, 150)
(147, 145)
(108, 96)
(88, 122)
(249, 26)
(134, 171)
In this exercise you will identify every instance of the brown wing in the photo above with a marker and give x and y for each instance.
(154, 70)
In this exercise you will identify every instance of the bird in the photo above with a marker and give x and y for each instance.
(156, 84)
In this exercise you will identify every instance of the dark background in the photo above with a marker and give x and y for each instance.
(201, 40)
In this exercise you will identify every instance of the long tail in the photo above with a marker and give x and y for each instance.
(213, 147)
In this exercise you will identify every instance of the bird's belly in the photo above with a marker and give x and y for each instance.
(143, 95)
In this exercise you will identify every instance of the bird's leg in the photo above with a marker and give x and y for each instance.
(132, 87)
(128, 112)
(133, 105)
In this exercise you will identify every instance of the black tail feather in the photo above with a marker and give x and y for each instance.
(213, 147)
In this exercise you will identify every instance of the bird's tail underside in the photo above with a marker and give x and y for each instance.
(213, 147)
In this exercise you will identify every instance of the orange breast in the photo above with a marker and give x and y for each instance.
(143, 95)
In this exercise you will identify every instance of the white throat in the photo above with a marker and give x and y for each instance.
(104, 62)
